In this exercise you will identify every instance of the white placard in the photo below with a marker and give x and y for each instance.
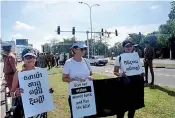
(36, 98)
(131, 63)
(82, 98)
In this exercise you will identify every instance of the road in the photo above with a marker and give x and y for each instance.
(164, 77)
(155, 61)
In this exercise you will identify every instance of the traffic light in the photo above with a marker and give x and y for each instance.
(73, 31)
(102, 32)
(116, 33)
(109, 34)
(58, 30)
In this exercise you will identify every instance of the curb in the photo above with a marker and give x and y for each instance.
(158, 67)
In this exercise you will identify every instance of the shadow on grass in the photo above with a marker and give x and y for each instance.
(169, 92)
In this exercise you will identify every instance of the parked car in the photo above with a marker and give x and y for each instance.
(98, 60)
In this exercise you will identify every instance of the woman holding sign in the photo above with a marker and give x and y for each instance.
(29, 59)
(119, 71)
(76, 68)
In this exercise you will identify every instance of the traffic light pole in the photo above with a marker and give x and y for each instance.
(87, 43)
(87, 32)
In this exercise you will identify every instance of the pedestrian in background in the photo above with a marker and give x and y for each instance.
(149, 55)
(57, 58)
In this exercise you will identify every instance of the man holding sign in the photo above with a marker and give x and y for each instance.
(128, 64)
(77, 72)
(32, 85)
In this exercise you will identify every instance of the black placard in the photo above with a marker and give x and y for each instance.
(81, 90)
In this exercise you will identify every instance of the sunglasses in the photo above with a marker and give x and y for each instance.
(82, 49)
(29, 57)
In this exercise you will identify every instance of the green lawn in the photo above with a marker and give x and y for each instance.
(159, 101)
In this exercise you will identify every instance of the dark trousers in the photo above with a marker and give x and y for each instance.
(70, 105)
(130, 114)
(149, 63)
(57, 61)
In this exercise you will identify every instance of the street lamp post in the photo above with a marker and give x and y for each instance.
(90, 8)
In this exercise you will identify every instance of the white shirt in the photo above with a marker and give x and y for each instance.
(77, 69)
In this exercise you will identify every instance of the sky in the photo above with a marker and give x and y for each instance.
(38, 20)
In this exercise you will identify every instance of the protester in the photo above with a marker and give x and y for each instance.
(148, 61)
(72, 67)
(29, 59)
(119, 71)
(9, 66)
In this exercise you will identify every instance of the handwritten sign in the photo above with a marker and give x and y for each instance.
(131, 63)
(36, 98)
(82, 98)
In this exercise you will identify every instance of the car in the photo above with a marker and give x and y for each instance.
(98, 60)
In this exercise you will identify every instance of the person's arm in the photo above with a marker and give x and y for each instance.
(153, 53)
(116, 70)
(66, 78)
(14, 84)
(13, 63)
(66, 71)
(117, 66)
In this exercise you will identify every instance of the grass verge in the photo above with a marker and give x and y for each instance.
(159, 101)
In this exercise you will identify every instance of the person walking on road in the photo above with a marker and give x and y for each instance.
(9, 66)
(148, 61)
(72, 67)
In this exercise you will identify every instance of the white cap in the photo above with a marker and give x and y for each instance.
(79, 45)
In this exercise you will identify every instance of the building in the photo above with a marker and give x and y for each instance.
(22, 42)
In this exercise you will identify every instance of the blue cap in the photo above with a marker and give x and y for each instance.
(79, 45)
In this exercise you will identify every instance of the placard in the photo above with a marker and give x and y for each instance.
(131, 63)
(82, 98)
(36, 98)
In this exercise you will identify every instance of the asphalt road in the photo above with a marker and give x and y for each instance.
(155, 61)
(164, 77)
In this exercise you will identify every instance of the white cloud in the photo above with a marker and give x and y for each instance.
(15, 36)
(48, 15)
(22, 26)
(123, 31)
(155, 7)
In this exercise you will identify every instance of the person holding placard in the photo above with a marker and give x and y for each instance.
(29, 59)
(76, 68)
(120, 71)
